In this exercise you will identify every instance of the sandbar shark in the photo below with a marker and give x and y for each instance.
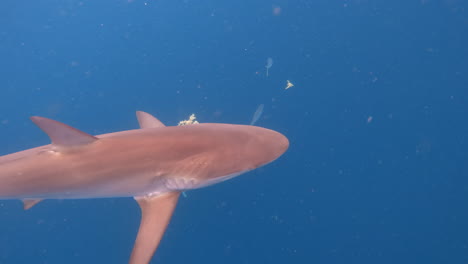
(153, 164)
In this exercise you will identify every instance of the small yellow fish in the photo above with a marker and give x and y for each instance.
(190, 121)
(288, 84)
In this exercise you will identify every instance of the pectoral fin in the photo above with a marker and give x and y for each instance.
(28, 203)
(156, 213)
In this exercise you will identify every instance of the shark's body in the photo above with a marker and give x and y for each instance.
(153, 164)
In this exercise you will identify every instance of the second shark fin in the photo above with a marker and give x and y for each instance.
(28, 203)
(156, 213)
(61, 134)
(148, 121)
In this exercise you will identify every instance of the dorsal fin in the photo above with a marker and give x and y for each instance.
(28, 203)
(156, 213)
(148, 121)
(61, 134)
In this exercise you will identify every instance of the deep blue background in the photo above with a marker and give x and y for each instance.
(392, 190)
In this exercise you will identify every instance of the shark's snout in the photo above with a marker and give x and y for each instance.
(269, 146)
(281, 143)
(275, 144)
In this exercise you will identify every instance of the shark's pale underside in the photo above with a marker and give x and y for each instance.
(153, 164)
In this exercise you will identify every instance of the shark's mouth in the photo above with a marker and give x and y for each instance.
(187, 183)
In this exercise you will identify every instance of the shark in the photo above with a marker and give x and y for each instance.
(153, 164)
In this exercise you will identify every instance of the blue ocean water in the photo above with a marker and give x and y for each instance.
(377, 170)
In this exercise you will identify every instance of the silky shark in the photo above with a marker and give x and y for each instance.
(153, 164)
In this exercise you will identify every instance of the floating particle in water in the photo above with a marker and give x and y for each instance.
(258, 113)
(276, 10)
(268, 65)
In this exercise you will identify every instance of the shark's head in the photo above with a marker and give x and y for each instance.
(262, 147)
(224, 151)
